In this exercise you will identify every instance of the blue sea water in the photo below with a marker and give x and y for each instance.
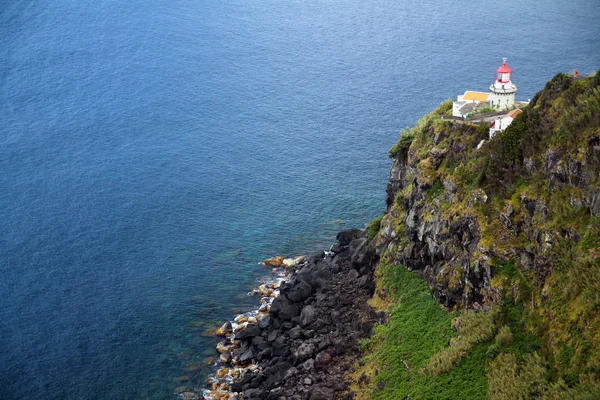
(153, 152)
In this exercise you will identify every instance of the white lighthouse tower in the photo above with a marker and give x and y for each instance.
(503, 90)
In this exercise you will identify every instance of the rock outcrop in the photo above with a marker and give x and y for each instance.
(456, 210)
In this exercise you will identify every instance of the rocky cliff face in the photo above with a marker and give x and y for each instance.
(458, 209)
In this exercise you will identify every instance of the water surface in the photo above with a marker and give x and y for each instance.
(153, 152)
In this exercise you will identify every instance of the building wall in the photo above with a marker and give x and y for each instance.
(455, 107)
(503, 101)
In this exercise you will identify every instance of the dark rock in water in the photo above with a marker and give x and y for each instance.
(225, 357)
(264, 323)
(225, 329)
(249, 332)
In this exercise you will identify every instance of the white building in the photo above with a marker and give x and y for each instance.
(469, 102)
(501, 96)
(503, 121)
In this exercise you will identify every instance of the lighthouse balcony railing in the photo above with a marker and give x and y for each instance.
(503, 89)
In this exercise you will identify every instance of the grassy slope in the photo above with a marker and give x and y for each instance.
(417, 329)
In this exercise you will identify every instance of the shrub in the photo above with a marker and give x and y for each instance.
(473, 328)
(492, 351)
(504, 336)
(400, 150)
(374, 227)
(508, 380)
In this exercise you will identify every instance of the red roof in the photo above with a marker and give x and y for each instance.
(513, 114)
(504, 69)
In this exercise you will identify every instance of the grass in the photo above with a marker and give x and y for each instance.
(418, 328)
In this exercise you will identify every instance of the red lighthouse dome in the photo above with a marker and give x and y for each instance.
(503, 74)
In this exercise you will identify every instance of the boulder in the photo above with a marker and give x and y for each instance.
(246, 357)
(323, 358)
(300, 260)
(274, 262)
(345, 237)
(295, 333)
(307, 365)
(315, 257)
(307, 316)
(283, 309)
(279, 346)
(299, 292)
(288, 263)
(304, 352)
(249, 332)
(225, 346)
(263, 321)
(222, 373)
(225, 357)
(225, 329)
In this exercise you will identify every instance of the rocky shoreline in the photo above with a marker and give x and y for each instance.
(304, 337)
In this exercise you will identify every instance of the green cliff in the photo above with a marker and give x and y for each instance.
(505, 234)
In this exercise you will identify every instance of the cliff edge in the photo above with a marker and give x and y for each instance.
(506, 234)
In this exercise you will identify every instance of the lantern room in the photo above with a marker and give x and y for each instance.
(503, 74)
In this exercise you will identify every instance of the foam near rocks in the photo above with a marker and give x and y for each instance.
(234, 367)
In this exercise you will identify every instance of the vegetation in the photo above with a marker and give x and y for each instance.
(373, 227)
(436, 189)
(533, 192)
(473, 328)
(483, 110)
(418, 328)
(400, 149)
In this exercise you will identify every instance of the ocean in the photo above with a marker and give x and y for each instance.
(153, 152)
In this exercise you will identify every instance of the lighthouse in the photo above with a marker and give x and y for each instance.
(503, 90)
